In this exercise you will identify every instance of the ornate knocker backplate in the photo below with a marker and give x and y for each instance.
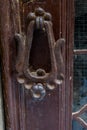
(39, 62)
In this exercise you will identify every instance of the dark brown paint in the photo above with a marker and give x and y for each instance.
(21, 112)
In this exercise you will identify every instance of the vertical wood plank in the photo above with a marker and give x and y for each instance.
(69, 63)
(9, 24)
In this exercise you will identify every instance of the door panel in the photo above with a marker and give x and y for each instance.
(54, 112)
(38, 115)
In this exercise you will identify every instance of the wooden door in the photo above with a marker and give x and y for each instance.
(54, 112)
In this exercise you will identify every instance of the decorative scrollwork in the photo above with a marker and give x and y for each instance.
(33, 72)
(76, 116)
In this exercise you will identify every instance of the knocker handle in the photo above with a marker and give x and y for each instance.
(39, 64)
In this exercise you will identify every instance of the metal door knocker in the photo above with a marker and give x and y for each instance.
(39, 62)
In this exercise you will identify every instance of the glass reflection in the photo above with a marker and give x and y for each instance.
(77, 126)
(80, 88)
(80, 62)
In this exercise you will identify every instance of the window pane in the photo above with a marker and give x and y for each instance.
(80, 87)
(80, 24)
(80, 63)
(77, 126)
(80, 81)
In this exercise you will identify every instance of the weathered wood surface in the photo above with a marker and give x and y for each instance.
(9, 24)
(21, 113)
